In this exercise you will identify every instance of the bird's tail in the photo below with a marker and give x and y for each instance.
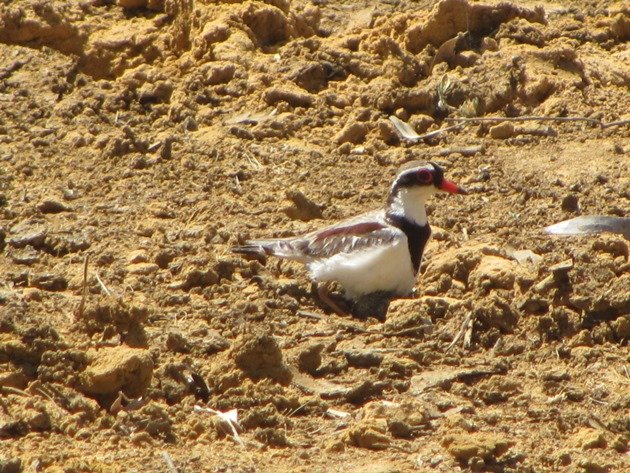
(262, 248)
(252, 249)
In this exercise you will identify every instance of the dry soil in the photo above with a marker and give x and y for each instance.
(141, 139)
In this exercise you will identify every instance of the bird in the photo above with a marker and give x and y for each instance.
(375, 252)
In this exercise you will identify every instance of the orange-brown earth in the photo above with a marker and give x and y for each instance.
(147, 137)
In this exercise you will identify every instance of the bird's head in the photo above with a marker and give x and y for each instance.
(415, 182)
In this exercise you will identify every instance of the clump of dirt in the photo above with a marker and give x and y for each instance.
(145, 138)
(117, 369)
(110, 317)
(255, 356)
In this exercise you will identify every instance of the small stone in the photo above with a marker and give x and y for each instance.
(364, 391)
(370, 434)
(259, 356)
(10, 465)
(118, 368)
(49, 282)
(345, 148)
(132, 3)
(70, 194)
(588, 439)
(489, 44)
(302, 207)
(363, 358)
(212, 343)
(159, 210)
(570, 203)
(312, 76)
(493, 272)
(620, 443)
(562, 268)
(34, 238)
(408, 313)
(220, 73)
(387, 132)
(31, 294)
(466, 58)
(402, 114)
(164, 257)
(145, 231)
(197, 278)
(159, 91)
(190, 124)
(142, 268)
(167, 148)
(467, 446)
(137, 256)
(25, 257)
(353, 133)
(526, 257)
(502, 131)
(64, 244)
(51, 206)
(622, 327)
(593, 466)
(176, 342)
(291, 95)
(421, 122)
(38, 420)
(310, 359)
(14, 379)
(545, 285)
(139, 162)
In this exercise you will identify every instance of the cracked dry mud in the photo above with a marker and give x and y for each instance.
(150, 136)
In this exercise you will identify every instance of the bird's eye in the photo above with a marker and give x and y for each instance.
(424, 176)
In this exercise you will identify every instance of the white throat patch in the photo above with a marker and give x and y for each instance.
(410, 203)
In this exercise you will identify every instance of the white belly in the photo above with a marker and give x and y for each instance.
(385, 268)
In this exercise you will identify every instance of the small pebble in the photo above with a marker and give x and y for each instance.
(137, 256)
(142, 268)
(502, 131)
(51, 206)
(570, 203)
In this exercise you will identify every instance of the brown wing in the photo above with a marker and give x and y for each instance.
(364, 230)
(346, 238)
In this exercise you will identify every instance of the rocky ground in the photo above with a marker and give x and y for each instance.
(141, 139)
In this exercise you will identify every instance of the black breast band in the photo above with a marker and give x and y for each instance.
(417, 237)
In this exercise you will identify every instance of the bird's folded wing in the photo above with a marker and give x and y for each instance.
(347, 238)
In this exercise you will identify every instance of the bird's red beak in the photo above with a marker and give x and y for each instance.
(451, 187)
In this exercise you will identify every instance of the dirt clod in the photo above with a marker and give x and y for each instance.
(51, 206)
(502, 131)
(370, 434)
(119, 368)
(302, 208)
(465, 447)
(149, 137)
(259, 356)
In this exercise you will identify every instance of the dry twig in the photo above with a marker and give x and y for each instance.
(169, 462)
(465, 329)
(615, 123)
(310, 315)
(523, 119)
(12, 390)
(403, 332)
(465, 151)
(103, 287)
(593, 121)
(84, 291)
(42, 392)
